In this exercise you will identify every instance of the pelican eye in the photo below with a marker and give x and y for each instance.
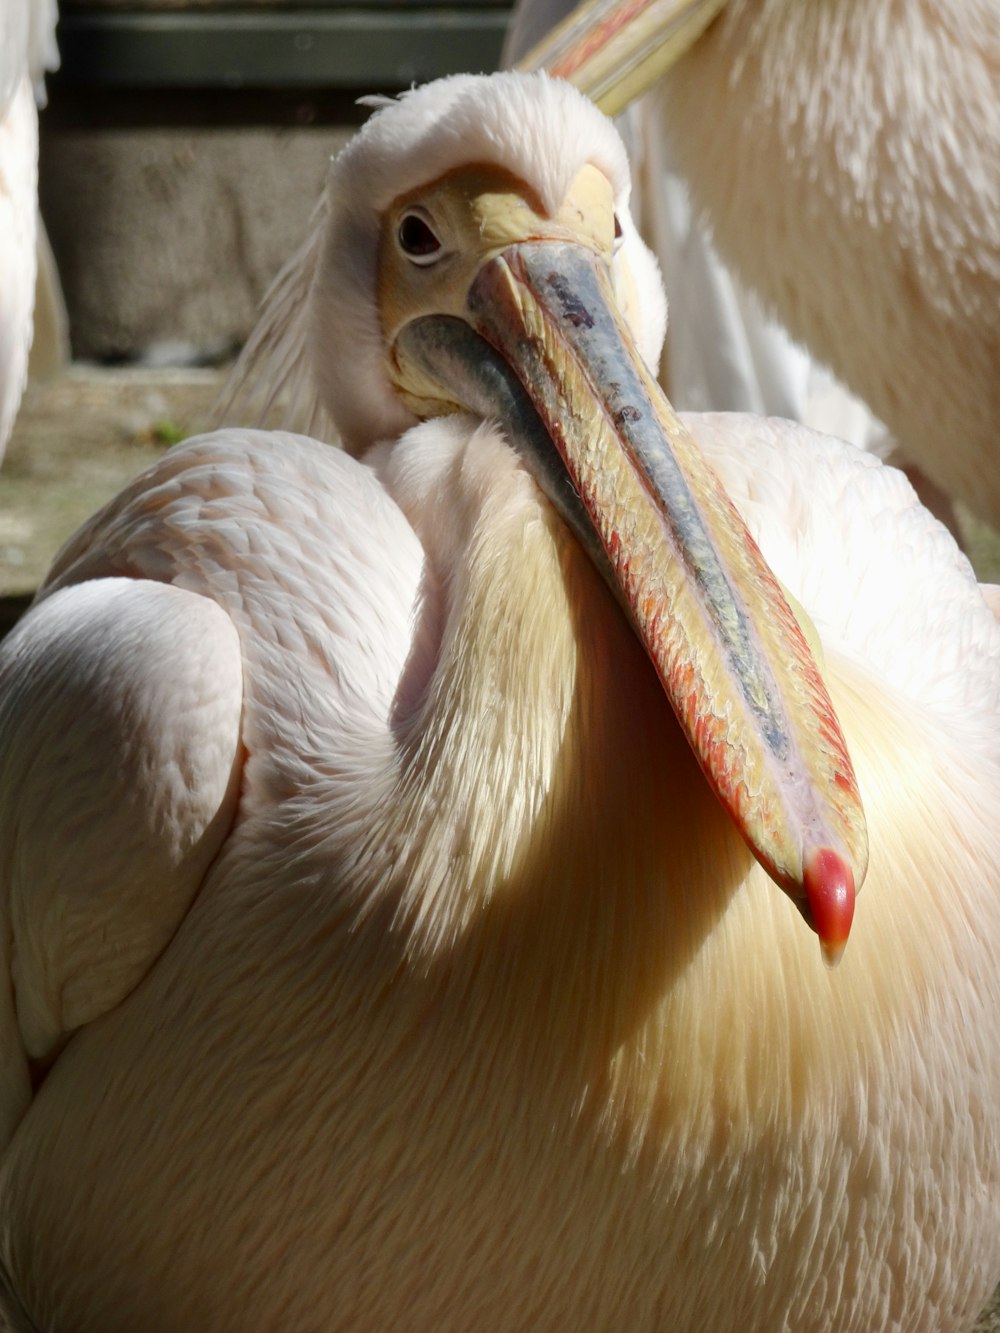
(417, 239)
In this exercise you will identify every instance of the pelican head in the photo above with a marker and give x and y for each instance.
(475, 254)
(441, 135)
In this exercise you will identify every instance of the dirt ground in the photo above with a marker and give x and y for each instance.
(77, 439)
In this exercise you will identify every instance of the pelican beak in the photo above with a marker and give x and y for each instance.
(614, 50)
(537, 340)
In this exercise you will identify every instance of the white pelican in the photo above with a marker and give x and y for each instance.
(847, 158)
(379, 958)
(27, 49)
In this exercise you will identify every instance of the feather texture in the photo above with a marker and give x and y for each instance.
(475, 1011)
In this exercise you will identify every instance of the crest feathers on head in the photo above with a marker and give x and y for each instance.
(273, 382)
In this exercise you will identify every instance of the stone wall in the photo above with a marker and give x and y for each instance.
(167, 235)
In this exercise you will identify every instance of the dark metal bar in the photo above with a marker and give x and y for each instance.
(347, 48)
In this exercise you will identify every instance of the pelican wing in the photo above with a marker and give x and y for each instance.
(269, 584)
(120, 706)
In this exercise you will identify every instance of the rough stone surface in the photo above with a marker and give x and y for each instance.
(172, 235)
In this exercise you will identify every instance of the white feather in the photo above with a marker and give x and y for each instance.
(27, 50)
(481, 1014)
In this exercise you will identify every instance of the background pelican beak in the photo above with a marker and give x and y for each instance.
(614, 50)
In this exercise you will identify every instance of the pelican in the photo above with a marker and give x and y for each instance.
(409, 922)
(846, 158)
(27, 49)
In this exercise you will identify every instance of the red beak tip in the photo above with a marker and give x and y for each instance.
(829, 885)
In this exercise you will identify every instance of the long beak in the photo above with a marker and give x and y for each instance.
(614, 50)
(543, 346)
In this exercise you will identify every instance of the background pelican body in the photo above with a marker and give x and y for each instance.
(27, 49)
(481, 1014)
(846, 159)
(888, 171)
